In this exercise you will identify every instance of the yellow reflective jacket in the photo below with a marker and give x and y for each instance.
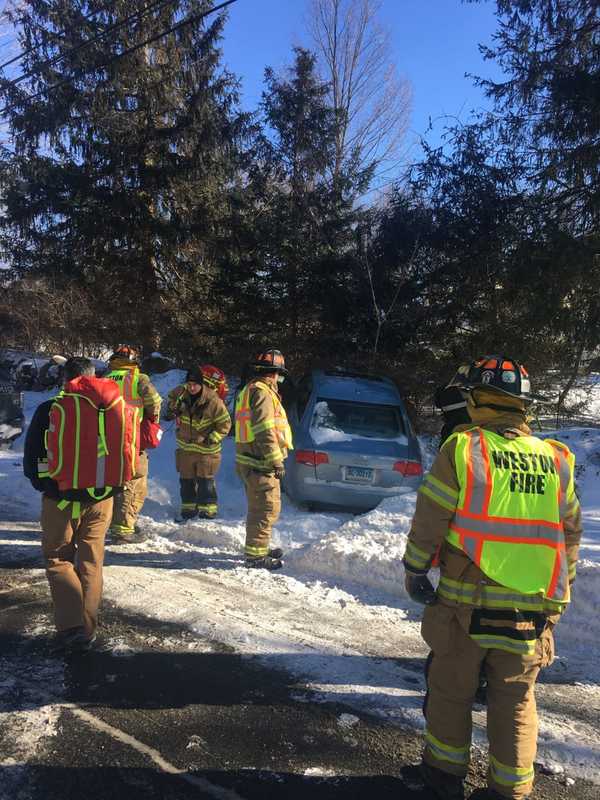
(136, 388)
(263, 436)
(473, 571)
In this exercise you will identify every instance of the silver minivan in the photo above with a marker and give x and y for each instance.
(353, 442)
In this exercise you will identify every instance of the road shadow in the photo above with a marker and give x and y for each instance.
(120, 674)
(137, 783)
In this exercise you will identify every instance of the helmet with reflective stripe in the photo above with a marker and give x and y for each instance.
(499, 374)
(269, 361)
(126, 352)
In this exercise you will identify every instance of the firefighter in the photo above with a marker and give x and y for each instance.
(202, 422)
(138, 392)
(74, 522)
(499, 506)
(262, 440)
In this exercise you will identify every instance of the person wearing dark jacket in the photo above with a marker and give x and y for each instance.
(73, 548)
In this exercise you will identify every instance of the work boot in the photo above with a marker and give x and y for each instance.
(444, 785)
(118, 537)
(207, 514)
(489, 794)
(266, 562)
(275, 552)
(74, 640)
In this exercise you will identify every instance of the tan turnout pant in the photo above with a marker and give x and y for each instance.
(452, 681)
(197, 482)
(129, 502)
(74, 554)
(263, 493)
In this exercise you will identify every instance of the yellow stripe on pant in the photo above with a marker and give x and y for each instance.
(459, 756)
(510, 777)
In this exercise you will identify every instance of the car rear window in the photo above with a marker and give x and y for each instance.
(356, 419)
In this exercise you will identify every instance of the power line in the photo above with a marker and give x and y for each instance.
(26, 52)
(49, 62)
(187, 21)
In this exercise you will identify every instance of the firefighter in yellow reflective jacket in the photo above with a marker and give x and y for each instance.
(262, 440)
(138, 392)
(202, 423)
(499, 511)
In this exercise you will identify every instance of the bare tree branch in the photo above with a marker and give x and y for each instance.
(372, 101)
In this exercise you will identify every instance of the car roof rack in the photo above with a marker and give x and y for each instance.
(340, 372)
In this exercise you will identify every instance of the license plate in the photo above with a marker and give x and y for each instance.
(359, 474)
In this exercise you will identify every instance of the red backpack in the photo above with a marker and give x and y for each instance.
(92, 439)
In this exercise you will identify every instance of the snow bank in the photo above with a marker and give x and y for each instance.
(367, 549)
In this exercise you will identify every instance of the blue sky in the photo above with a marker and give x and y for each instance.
(435, 43)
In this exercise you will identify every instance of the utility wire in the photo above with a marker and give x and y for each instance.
(187, 21)
(49, 62)
(26, 52)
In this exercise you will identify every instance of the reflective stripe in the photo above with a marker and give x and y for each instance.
(102, 449)
(572, 570)
(191, 447)
(486, 596)
(510, 776)
(208, 508)
(265, 464)
(124, 529)
(416, 557)
(75, 482)
(198, 424)
(498, 529)
(445, 752)
(521, 647)
(478, 475)
(60, 436)
(75, 511)
(437, 491)
(263, 426)
(436, 499)
(443, 488)
(99, 493)
(256, 552)
(572, 507)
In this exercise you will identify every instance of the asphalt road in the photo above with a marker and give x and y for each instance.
(156, 712)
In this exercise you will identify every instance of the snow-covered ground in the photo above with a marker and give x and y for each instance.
(337, 616)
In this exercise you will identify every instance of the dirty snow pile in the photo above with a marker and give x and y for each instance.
(338, 613)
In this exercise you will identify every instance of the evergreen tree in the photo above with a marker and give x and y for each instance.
(120, 171)
(297, 251)
(548, 105)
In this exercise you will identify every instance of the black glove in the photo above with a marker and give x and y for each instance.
(279, 472)
(420, 589)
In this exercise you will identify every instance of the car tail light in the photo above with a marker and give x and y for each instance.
(311, 458)
(408, 468)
